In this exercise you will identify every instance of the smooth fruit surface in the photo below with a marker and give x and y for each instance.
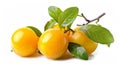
(24, 42)
(80, 38)
(53, 43)
(56, 26)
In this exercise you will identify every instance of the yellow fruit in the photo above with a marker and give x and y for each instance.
(68, 33)
(24, 42)
(56, 26)
(80, 38)
(53, 43)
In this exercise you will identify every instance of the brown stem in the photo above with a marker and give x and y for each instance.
(72, 30)
(88, 21)
(79, 25)
(69, 30)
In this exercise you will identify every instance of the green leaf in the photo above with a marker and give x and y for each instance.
(49, 24)
(78, 51)
(98, 34)
(54, 12)
(67, 17)
(38, 33)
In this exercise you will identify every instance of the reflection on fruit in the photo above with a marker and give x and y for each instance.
(80, 38)
(53, 43)
(24, 42)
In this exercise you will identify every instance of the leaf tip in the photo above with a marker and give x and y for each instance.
(108, 45)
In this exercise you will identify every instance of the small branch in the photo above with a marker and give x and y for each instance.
(98, 17)
(88, 21)
(85, 18)
(79, 25)
(80, 15)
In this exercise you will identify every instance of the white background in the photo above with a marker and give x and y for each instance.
(15, 14)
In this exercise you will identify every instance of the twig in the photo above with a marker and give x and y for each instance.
(88, 21)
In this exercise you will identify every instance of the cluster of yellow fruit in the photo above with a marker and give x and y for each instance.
(53, 43)
(58, 38)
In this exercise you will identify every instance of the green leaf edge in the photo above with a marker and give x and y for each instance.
(36, 30)
(61, 22)
(108, 44)
(75, 45)
(57, 11)
(49, 24)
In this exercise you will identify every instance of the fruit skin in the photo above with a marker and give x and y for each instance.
(53, 43)
(56, 26)
(24, 42)
(80, 38)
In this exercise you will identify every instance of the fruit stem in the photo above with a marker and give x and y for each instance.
(72, 30)
(69, 30)
(89, 21)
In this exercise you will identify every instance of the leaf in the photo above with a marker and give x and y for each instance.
(67, 17)
(38, 33)
(54, 12)
(98, 34)
(78, 51)
(49, 24)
